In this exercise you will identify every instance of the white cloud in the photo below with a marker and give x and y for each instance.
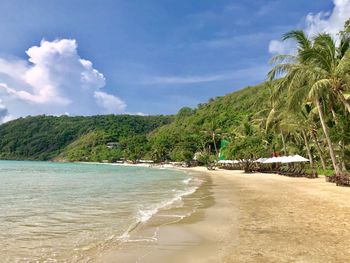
(330, 22)
(279, 47)
(109, 102)
(185, 79)
(3, 111)
(55, 79)
(252, 73)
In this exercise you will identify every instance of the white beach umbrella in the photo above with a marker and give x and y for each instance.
(297, 159)
(228, 161)
(272, 160)
(285, 159)
(261, 160)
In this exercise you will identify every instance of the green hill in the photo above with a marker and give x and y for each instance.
(46, 137)
(193, 129)
(134, 137)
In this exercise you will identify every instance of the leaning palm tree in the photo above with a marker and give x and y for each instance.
(302, 79)
(331, 64)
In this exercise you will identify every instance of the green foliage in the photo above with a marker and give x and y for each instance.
(72, 138)
(201, 129)
(247, 149)
(134, 147)
(322, 172)
(206, 158)
(315, 77)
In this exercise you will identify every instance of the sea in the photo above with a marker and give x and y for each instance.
(72, 212)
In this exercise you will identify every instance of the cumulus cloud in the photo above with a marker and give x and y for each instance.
(330, 22)
(3, 111)
(279, 47)
(109, 102)
(55, 79)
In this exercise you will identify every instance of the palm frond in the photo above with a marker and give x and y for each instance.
(281, 58)
(300, 37)
(270, 118)
(297, 98)
(343, 68)
(320, 88)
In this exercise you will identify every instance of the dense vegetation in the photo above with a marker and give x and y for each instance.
(201, 130)
(71, 138)
(311, 95)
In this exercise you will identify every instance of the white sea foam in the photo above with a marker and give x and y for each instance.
(187, 181)
(145, 215)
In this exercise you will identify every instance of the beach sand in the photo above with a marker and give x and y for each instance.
(254, 218)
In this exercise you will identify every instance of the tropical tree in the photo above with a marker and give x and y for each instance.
(315, 72)
(246, 150)
(213, 132)
(276, 122)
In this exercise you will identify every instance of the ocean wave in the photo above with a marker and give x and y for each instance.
(187, 181)
(145, 215)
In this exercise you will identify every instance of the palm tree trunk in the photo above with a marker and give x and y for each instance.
(342, 147)
(319, 150)
(325, 130)
(334, 116)
(284, 143)
(214, 141)
(341, 142)
(308, 148)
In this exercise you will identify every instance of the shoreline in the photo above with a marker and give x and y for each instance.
(165, 233)
(257, 218)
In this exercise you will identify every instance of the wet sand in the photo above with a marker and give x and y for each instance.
(254, 218)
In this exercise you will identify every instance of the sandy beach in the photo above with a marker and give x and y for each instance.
(255, 218)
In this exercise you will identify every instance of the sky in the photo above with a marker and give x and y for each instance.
(87, 57)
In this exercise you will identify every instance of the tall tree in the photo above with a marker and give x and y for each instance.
(305, 76)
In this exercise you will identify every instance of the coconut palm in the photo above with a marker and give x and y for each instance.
(275, 122)
(331, 65)
(304, 79)
(294, 123)
(213, 132)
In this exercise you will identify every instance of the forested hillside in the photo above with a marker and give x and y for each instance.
(45, 137)
(160, 138)
(202, 129)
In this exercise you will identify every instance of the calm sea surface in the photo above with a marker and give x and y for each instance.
(56, 211)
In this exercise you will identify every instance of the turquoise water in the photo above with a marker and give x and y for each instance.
(57, 211)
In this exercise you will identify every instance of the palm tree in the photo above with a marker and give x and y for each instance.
(295, 123)
(275, 122)
(304, 78)
(212, 131)
(318, 147)
(331, 64)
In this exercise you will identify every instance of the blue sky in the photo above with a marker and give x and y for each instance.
(156, 56)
